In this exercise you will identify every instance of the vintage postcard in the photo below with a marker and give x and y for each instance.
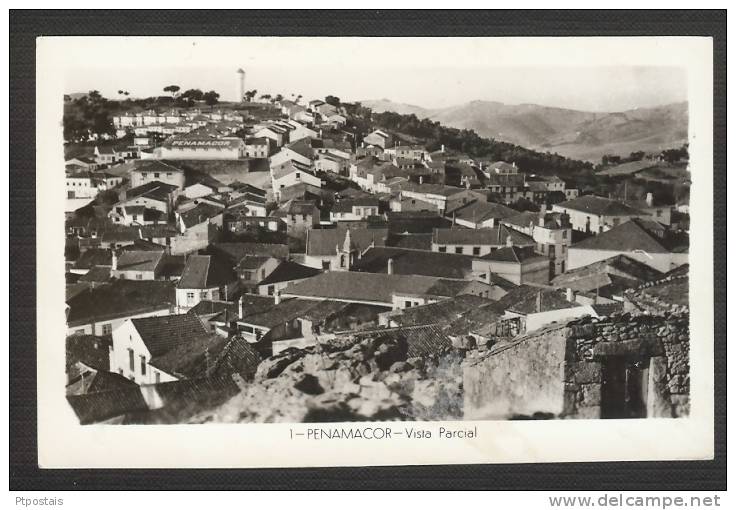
(305, 251)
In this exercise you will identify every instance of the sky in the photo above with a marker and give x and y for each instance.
(432, 73)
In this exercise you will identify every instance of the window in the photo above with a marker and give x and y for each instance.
(131, 360)
(298, 175)
(190, 296)
(659, 213)
(144, 175)
(407, 304)
(203, 294)
(106, 329)
(143, 365)
(564, 234)
(247, 275)
(476, 250)
(458, 249)
(156, 175)
(442, 249)
(616, 221)
(158, 377)
(271, 290)
(326, 265)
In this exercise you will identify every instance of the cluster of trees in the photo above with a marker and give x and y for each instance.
(669, 155)
(190, 97)
(87, 116)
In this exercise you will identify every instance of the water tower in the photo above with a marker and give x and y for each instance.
(241, 83)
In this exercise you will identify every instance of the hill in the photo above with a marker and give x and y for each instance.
(572, 133)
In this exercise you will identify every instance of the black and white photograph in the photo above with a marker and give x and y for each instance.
(436, 237)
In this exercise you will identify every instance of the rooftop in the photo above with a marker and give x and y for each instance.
(205, 272)
(161, 334)
(373, 288)
(496, 236)
(600, 206)
(321, 242)
(288, 271)
(427, 263)
(119, 298)
(631, 236)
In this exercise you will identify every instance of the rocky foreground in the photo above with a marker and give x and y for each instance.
(348, 380)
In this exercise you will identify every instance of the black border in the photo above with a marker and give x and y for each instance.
(26, 25)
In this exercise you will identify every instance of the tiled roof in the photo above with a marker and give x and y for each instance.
(527, 218)
(415, 222)
(139, 260)
(93, 351)
(478, 211)
(411, 241)
(199, 214)
(97, 274)
(205, 272)
(119, 298)
(589, 277)
(600, 206)
(626, 237)
(288, 271)
(495, 236)
(155, 190)
(516, 254)
(427, 263)
(346, 205)
(236, 251)
(93, 257)
(209, 307)
(191, 358)
(322, 242)
(442, 312)
(526, 299)
(372, 287)
(287, 310)
(252, 261)
(323, 310)
(155, 165)
(161, 334)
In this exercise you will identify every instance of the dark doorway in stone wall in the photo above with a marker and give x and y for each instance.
(624, 388)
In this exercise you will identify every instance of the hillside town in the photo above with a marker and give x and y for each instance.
(293, 260)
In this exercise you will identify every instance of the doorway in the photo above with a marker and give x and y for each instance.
(624, 388)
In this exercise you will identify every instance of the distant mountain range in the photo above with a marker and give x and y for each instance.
(572, 133)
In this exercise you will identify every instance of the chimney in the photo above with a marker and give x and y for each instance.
(442, 148)
(390, 266)
(277, 297)
(509, 241)
(240, 307)
(421, 179)
(489, 276)
(539, 301)
(541, 218)
(114, 263)
(570, 295)
(650, 199)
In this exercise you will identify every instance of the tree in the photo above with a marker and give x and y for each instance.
(250, 94)
(266, 96)
(277, 99)
(172, 89)
(333, 100)
(211, 98)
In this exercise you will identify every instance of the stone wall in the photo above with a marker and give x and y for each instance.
(559, 371)
(520, 378)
